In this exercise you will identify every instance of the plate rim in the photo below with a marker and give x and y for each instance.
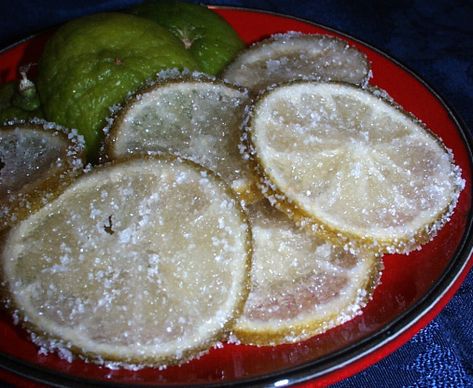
(458, 267)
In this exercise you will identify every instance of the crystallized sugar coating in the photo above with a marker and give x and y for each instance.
(142, 262)
(301, 285)
(36, 157)
(195, 118)
(296, 56)
(340, 159)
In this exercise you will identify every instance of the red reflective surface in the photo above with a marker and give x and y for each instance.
(414, 288)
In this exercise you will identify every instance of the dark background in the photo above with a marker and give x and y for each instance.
(432, 38)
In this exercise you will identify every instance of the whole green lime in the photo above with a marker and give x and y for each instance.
(205, 34)
(91, 63)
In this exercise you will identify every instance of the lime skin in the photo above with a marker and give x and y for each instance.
(205, 34)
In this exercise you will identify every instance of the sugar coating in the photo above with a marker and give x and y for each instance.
(144, 261)
(296, 56)
(301, 285)
(198, 119)
(30, 152)
(163, 75)
(354, 162)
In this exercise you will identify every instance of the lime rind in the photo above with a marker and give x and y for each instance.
(205, 34)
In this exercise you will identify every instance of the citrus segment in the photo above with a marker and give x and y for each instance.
(143, 261)
(295, 56)
(354, 165)
(93, 62)
(37, 160)
(301, 285)
(196, 119)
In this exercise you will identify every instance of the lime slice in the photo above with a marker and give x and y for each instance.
(144, 261)
(195, 118)
(346, 162)
(37, 161)
(295, 56)
(301, 285)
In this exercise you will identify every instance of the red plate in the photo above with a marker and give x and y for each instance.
(413, 291)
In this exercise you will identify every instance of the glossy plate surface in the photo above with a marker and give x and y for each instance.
(414, 288)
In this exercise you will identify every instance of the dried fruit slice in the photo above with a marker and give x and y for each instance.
(346, 162)
(301, 285)
(295, 56)
(144, 261)
(195, 118)
(37, 161)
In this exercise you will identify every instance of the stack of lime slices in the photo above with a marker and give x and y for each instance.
(170, 247)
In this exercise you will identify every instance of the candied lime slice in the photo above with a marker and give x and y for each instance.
(352, 164)
(37, 161)
(295, 56)
(301, 285)
(144, 261)
(195, 118)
